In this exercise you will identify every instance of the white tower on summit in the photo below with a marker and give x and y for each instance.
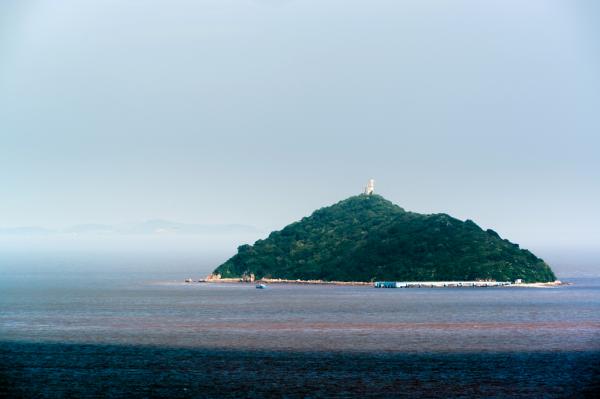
(370, 187)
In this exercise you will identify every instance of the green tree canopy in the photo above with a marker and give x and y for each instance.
(367, 238)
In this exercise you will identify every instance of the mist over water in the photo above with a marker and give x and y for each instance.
(183, 256)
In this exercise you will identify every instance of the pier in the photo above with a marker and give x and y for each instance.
(438, 284)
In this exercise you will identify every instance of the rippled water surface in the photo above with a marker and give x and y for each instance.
(132, 330)
(300, 317)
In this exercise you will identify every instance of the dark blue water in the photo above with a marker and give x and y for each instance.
(137, 335)
(81, 370)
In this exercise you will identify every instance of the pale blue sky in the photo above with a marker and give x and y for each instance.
(258, 112)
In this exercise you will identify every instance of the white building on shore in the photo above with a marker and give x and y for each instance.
(370, 187)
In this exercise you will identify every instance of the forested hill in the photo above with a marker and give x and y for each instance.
(367, 238)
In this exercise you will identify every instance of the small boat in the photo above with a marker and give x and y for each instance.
(188, 280)
(261, 286)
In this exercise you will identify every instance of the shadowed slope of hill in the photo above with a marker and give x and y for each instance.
(366, 238)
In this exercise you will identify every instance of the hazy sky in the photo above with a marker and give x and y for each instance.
(258, 112)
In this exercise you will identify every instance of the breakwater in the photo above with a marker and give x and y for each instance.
(439, 284)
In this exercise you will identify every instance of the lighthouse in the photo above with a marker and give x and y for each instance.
(370, 187)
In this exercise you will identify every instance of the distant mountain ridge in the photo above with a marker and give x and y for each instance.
(149, 227)
(366, 238)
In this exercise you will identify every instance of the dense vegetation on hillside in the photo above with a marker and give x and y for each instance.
(366, 238)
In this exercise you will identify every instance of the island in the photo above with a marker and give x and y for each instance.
(366, 238)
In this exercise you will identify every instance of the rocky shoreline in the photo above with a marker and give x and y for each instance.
(282, 281)
(213, 279)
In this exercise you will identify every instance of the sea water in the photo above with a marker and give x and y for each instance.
(118, 333)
